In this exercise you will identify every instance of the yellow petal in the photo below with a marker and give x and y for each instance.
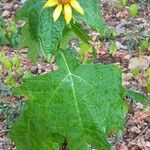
(68, 13)
(76, 6)
(57, 12)
(50, 3)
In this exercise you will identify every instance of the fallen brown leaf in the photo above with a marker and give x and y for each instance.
(122, 147)
(138, 116)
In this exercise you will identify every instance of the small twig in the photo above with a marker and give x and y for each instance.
(139, 135)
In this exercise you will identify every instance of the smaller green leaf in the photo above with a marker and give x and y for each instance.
(137, 96)
(79, 31)
(41, 35)
(68, 34)
(133, 9)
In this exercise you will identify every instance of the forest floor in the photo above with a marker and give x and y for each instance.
(123, 48)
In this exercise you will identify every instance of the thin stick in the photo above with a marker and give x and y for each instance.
(139, 135)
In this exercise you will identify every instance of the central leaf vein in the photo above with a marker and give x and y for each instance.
(72, 86)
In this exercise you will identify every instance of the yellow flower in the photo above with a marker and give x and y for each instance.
(65, 6)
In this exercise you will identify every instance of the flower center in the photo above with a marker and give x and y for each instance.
(64, 1)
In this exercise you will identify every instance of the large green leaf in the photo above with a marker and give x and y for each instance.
(79, 103)
(42, 33)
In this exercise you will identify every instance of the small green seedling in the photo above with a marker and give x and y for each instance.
(10, 80)
(8, 33)
(16, 62)
(135, 72)
(7, 63)
(144, 46)
(113, 48)
(10, 67)
(84, 50)
(133, 10)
